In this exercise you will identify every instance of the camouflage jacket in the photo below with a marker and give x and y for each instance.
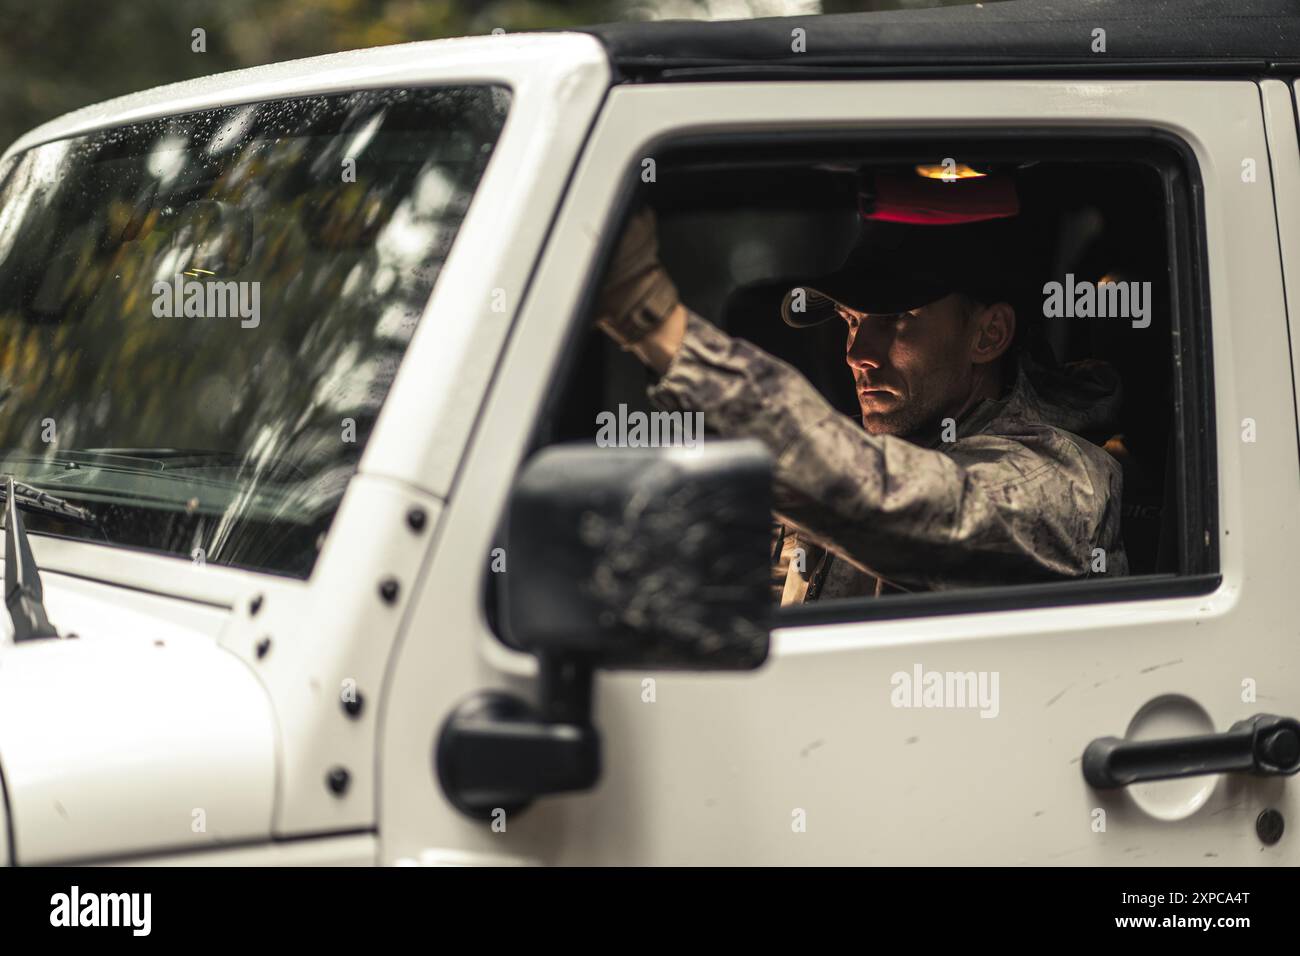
(1015, 498)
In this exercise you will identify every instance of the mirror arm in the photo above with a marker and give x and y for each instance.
(565, 686)
(496, 753)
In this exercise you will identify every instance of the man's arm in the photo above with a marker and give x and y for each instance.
(659, 347)
(990, 509)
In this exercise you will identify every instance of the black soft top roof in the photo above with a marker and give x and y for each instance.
(1017, 36)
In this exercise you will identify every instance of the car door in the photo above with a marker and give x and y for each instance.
(828, 754)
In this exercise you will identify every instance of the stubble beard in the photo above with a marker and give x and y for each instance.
(900, 422)
(911, 416)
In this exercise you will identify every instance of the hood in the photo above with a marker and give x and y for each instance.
(140, 735)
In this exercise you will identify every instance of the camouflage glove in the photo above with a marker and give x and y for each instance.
(637, 295)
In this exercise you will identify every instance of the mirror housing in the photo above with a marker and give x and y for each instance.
(615, 557)
(642, 557)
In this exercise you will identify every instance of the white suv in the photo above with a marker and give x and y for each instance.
(285, 348)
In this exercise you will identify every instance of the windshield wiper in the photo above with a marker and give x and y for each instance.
(24, 596)
(167, 461)
(33, 499)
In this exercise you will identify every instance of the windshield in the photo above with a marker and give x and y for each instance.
(200, 316)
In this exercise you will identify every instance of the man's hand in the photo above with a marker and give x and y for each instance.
(638, 306)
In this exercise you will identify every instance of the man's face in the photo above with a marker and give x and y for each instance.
(910, 369)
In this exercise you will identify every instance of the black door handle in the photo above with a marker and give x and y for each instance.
(1262, 744)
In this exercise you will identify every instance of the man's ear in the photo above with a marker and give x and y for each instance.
(995, 328)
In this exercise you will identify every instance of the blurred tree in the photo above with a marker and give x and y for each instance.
(58, 55)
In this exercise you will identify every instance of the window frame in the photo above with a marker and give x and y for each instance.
(1196, 465)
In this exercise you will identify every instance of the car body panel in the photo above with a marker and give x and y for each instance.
(140, 733)
(350, 849)
(1284, 161)
(715, 770)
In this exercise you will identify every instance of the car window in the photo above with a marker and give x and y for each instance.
(201, 315)
(899, 485)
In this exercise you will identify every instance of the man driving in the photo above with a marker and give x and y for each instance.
(967, 467)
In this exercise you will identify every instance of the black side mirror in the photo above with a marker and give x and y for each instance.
(616, 558)
(642, 557)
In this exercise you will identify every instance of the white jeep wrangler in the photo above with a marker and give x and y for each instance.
(283, 349)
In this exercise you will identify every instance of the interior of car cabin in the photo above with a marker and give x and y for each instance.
(740, 226)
